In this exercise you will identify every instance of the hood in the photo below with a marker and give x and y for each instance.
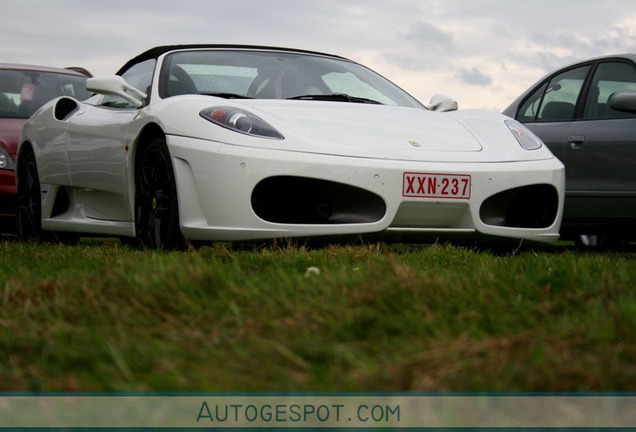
(10, 132)
(378, 127)
(359, 130)
(365, 130)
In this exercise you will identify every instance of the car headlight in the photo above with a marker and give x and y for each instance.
(524, 136)
(241, 121)
(6, 163)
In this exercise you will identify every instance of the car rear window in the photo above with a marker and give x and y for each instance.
(22, 92)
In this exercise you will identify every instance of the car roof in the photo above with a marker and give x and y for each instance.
(16, 66)
(627, 56)
(155, 52)
(631, 57)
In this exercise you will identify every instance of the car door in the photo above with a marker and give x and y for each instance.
(96, 151)
(97, 144)
(550, 110)
(600, 152)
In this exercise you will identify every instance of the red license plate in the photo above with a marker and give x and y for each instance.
(430, 185)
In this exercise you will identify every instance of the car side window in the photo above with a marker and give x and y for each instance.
(529, 109)
(140, 77)
(609, 78)
(556, 100)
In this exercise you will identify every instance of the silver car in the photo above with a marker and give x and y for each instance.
(586, 114)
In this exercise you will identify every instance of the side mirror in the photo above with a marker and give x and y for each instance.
(442, 103)
(624, 100)
(114, 85)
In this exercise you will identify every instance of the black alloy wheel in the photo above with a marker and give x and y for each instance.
(156, 205)
(29, 218)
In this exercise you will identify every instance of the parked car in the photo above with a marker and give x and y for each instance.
(24, 89)
(586, 114)
(210, 142)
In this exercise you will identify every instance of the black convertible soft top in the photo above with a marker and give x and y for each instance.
(160, 50)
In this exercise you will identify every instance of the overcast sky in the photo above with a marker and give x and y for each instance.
(483, 53)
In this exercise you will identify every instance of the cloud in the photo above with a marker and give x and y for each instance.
(423, 46)
(475, 50)
(429, 36)
(474, 77)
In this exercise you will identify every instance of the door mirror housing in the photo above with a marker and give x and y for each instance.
(624, 101)
(442, 103)
(114, 85)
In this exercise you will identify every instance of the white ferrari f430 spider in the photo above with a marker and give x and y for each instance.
(239, 143)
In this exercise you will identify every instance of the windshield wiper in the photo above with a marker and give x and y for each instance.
(337, 97)
(227, 95)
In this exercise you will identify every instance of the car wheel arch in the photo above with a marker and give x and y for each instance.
(25, 147)
(156, 225)
(145, 137)
(148, 133)
(29, 222)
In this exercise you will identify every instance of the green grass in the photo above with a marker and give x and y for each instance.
(101, 316)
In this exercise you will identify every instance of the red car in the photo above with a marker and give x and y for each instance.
(24, 89)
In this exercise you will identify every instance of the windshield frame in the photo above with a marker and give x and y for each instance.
(289, 70)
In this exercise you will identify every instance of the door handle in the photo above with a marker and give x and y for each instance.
(576, 141)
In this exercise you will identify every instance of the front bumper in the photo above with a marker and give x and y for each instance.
(216, 183)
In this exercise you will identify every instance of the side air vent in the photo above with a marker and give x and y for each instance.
(61, 203)
(64, 107)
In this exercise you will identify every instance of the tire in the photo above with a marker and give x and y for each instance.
(156, 204)
(29, 218)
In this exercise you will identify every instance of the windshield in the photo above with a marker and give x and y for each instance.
(276, 75)
(22, 92)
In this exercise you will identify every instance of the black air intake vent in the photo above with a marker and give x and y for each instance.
(301, 200)
(533, 206)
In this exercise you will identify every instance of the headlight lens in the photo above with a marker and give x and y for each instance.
(524, 136)
(6, 163)
(241, 121)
